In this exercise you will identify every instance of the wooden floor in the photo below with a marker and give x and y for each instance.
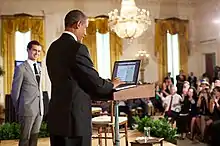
(132, 135)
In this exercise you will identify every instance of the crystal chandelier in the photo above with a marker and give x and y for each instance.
(131, 22)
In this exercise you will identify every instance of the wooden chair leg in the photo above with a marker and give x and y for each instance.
(100, 135)
(106, 143)
(126, 134)
(113, 135)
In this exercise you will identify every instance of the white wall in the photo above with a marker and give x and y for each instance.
(55, 10)
(204, 15)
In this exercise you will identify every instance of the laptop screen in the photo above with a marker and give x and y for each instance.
(127, 71)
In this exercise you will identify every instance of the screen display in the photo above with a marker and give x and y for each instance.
(127, 71)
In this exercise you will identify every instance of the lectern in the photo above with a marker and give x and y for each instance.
(140, 91)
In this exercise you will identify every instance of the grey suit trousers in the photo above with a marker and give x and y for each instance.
(30, 127)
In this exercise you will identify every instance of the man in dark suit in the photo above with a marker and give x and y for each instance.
(169, 77)
(192, 80)
(180, 81)
(74, 83)
(27, 96)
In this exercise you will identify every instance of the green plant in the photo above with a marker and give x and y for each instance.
(159, 128)
(9, 131)
(43, 130)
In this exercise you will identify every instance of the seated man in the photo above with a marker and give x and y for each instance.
(172, 104)
(150, 106)
(104, 105)
(133, 104)
(127, 109)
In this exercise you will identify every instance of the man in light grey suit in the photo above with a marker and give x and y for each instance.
(27, 96)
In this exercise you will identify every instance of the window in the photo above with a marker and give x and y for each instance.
(21, 41)
(103, 55)
(173, 61)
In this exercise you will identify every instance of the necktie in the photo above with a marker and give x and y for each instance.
(170, 104)
(37, 74)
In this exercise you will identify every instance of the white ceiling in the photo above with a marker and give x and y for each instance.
(164, 2)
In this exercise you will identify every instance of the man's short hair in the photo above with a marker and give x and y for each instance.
(31, 43)
(173, 86)
(73, 17)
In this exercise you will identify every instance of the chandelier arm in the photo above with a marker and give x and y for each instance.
(130, 14)
(132, 36)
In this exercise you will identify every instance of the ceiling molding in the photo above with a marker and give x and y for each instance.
(166, 2)
(186, 3)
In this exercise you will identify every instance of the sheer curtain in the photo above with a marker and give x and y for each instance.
(103, 55)
(173, 56)
(21, 42)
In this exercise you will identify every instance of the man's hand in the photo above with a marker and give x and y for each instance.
(117, 82)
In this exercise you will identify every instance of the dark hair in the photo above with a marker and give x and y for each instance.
(73, 17)
(217, 89)
(31, 43)
(194, 92)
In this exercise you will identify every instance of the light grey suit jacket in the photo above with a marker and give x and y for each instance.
(26, 95)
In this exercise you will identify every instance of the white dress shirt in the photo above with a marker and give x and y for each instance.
(70, 33)
(175, 102)
(31, 63)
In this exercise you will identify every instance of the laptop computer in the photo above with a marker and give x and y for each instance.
(127, 71)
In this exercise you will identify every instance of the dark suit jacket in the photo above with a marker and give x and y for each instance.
(74, 83)
(192, 81)
(170, 78)
(178, 78)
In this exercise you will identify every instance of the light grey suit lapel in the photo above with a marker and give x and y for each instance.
(29, 69)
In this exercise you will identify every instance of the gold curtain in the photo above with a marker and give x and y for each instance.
(174, 26)
(184, 46)
(100, 24)
(90, 41)
(11, 24)
(8, 51)
(37, 33)
(115, 48)
(161, 49)
(25, 23)
(115, 41)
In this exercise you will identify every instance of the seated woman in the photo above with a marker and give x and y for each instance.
(203, 107)
(157, 101)
(193, 110)
(215, 111)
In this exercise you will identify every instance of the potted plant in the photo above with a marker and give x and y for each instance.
(11, 131)
(159, 128)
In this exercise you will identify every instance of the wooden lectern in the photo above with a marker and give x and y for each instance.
(140, 91)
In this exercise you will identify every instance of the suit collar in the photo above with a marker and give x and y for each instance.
(71, 34)
(31, 62)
